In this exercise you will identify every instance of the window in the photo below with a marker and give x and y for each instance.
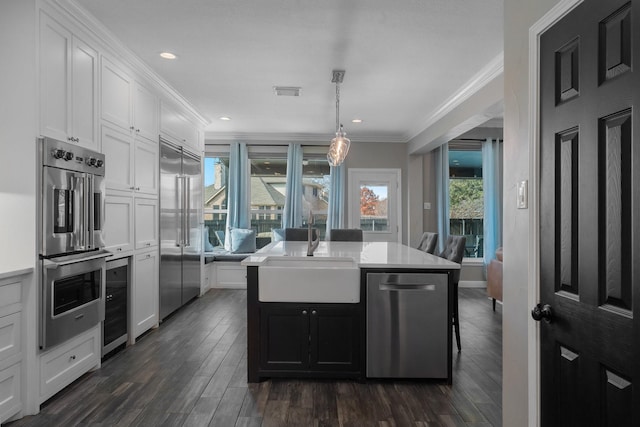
(466, 197)
(267, 190)
(373, 207)
(268, 182)
(216, 176)
(315, 188)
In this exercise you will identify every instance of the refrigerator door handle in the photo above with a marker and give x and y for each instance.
(187, 210)
(180, 200)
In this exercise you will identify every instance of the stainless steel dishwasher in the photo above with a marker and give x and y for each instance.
(407, 325)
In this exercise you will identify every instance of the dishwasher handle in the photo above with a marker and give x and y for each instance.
(395, 286)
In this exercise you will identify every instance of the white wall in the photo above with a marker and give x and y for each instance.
(519, 16)
(382, 155)
(17, 134)
(482, 105)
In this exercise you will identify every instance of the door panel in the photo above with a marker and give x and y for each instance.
(589, 213)
(374, 203)
(170, 230)
(191, 254)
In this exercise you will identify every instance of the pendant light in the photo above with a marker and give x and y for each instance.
(340, 144)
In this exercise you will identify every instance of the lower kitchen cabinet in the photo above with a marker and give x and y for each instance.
(315, 339)
(12, 295)
(144, 310)
(66, 362)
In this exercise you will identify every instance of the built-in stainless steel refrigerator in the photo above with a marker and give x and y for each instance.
(180, 227)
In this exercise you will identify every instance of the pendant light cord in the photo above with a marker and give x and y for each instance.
(337, 107)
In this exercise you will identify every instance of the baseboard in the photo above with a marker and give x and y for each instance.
(472, 284)
(229, 286)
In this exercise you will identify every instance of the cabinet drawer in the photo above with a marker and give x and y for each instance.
(64, 364)
(10, 380)
(9, 336)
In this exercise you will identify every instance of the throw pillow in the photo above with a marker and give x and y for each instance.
(278, 234)
(243, 241)
(208, 247)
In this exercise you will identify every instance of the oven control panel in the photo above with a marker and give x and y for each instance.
(63, 155)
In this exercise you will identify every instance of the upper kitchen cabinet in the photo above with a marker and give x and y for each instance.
(127, 103)
(68, 85)
(177, 128)
(133, 161)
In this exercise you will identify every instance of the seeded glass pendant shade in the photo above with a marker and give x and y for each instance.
(339, 148)
(340, 144)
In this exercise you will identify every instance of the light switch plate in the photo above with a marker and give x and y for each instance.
(523, 194)
(427, 205)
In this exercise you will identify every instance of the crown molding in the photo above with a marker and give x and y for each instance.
(489, 72)
(111, 43)
(319, 139)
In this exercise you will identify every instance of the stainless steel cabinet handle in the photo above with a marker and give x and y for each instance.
(304, 311)
(314, 312)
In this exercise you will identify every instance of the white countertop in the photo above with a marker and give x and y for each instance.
(365, 254)
(6, 272)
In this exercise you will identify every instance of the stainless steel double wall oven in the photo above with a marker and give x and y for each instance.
(72, 247)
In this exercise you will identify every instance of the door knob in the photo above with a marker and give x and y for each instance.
(542, 311)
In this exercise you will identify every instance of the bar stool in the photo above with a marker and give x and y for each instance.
(454, 251)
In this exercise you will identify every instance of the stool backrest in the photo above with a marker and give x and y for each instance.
(345, 235)
(428, 242)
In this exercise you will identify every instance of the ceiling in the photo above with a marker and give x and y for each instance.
(403, 59)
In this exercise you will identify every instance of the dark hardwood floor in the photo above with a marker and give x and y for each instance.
(192, 372)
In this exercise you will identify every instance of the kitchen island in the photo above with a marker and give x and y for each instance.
(310, 317)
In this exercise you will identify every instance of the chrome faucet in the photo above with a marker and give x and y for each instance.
(311, 243)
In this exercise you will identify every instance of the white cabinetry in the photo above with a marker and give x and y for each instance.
(63, 364)
(176, 127)
(11, 331)
(131, 162)
(146, 222)
(145, 166)
(68, 85)
(127, 103)
(145, 112)
(118, 227)
(131, 147)
(145, 292)
(116, 93)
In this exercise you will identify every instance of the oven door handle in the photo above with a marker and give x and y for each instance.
(77, 188)
(89, 213)
(50, 264)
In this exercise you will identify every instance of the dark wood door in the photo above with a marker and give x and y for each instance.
(335, 338)
(284, 337)
(590, 216)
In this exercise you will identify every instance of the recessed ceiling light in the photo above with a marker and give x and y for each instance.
(267, 163)
(225, 118)
(356, 121)
(168, 55)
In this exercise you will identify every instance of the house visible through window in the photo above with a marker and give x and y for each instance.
(216, 176)
(466, 197)
(267, 194)
(315, 188)
(267, 190)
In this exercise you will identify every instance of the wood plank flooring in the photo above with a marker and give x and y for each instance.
(192, 372)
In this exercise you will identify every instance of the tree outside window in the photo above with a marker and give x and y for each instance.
(466, 197)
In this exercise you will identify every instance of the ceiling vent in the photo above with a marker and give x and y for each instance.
(287, 90)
